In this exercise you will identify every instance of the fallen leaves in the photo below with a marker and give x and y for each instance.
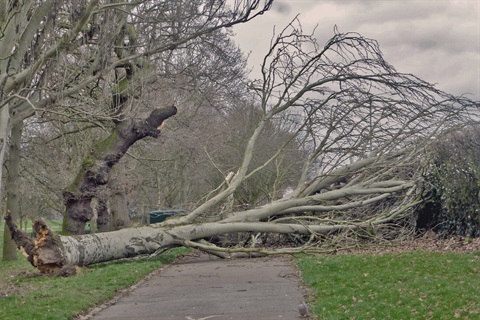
(430, 241)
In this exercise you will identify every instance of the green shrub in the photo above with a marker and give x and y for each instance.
(453, 185)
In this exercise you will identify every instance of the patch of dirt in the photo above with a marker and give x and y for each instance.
(8, 287)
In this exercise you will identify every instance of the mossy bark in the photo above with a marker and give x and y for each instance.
(99, 162)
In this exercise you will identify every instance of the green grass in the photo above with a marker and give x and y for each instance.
(42, 297)
(414, 285)
(55, 225)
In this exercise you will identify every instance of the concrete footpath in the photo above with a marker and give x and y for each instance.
(200, 287)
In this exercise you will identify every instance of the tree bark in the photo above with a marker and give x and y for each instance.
(13, 199)
(103, 217)
(97, 165)
(119, 210)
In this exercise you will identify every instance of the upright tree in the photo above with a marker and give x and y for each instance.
(12, 194)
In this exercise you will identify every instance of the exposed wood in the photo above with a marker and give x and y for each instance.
(45, 252)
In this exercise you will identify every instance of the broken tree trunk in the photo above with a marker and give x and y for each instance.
(21, 239)
(98, 164)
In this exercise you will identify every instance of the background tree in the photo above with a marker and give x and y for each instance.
(13, 199)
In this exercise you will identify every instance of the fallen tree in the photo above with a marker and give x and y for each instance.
(51, 252)
(364, 127)
(309, 216)
(314, 217)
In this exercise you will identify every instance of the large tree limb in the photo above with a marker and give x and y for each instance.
(282, 206)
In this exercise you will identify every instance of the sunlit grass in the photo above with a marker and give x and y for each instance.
(415, 285)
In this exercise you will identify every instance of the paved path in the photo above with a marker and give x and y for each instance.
(208, 288)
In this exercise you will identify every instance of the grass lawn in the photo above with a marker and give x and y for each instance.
(55, 225)
(413, 285)
(30, 296)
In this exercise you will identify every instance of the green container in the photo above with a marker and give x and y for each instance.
(160, 215)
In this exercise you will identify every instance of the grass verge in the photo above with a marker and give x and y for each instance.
(413, 285)
(30, 296)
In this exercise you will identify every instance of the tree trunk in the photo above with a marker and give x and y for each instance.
(97, 165)
(51, 252)
(119, 210)
(13, 199)
(103, 217)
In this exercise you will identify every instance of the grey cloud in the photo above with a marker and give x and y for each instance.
(282, 7)
(439, 41)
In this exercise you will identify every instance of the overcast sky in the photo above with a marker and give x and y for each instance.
(436, 40)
